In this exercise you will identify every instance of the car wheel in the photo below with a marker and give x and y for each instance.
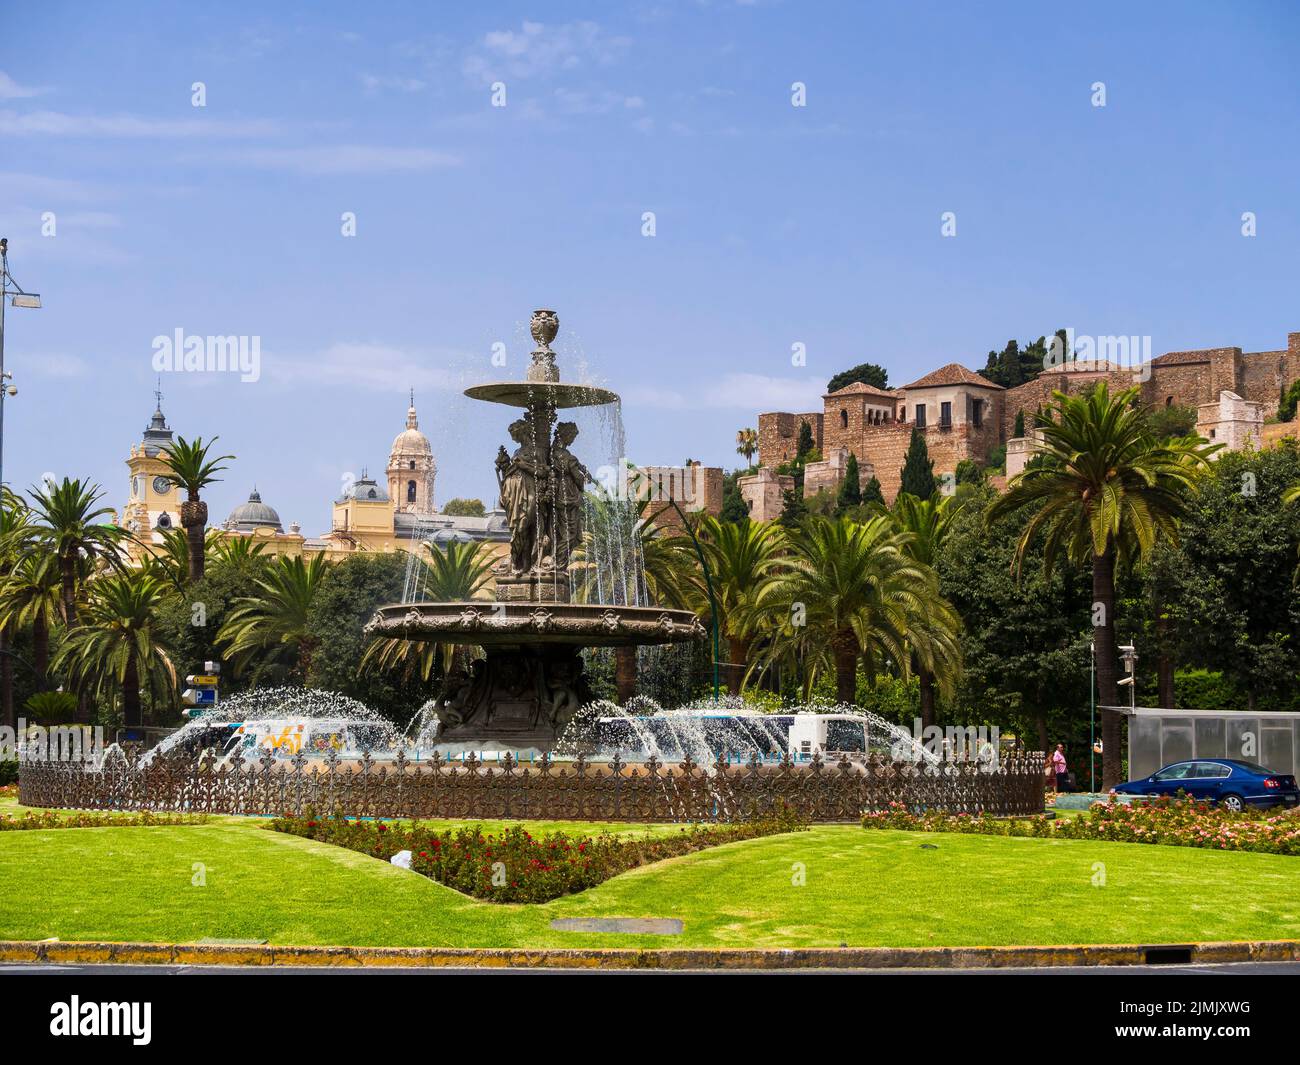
(1233, 803)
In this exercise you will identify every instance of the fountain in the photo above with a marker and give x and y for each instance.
(530, 682)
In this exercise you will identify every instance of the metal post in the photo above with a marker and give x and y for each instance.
(4, 293)
(1092, 718)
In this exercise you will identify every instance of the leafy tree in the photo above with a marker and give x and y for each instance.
(1171, 422)
(350, 592)
(31, 598)
(66, 523)
(1025, 640)
(850, 494)
(747, 444)
(1287, 406)
(16, 536)
(806, 442)
(918, 470)
(793, 508)
(190, 468)
(1107, 491)
(464, 508)
(741, 560)
(849, 592)
(734, 507)
(273, 624)
(867, 373)
(925, 524)
(117, 649)
(969, 472)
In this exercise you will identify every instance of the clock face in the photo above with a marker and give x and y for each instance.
(161, 485)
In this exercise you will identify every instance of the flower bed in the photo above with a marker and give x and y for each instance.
(516, 866)
(47, 819)
(1179, 822)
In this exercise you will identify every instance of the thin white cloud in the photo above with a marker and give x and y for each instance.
(736, 391)
(61, 124)
(11, 90)
(369, 365)
(348, 159)
(536, 49)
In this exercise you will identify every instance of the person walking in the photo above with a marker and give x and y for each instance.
(1060, 775)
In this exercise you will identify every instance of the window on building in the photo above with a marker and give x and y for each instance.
(412, 463)
(1169, 401)
(945, 415)
(844, 419)
(410, 491)
(920, 415)
(977, 413)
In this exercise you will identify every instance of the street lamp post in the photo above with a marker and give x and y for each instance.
(13, 292)
(1092, 718)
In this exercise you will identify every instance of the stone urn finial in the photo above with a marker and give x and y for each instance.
(544, 326)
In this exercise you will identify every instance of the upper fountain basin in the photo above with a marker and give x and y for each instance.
(556, 395)
(496, 624)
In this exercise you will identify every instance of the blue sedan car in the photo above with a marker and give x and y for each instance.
(1232, 783)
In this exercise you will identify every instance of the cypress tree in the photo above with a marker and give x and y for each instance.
(918, 470)
(806, 442)
(793, 510)
(850, 494)
(1020, 424)
(871, 492)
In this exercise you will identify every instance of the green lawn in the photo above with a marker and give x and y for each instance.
(863, 888)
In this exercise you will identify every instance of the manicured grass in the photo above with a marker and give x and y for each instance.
(862, 888)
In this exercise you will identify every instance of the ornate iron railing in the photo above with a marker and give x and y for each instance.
(577, 790)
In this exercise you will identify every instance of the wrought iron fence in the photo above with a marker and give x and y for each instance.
(578, 790)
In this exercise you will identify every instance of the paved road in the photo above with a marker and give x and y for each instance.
(1231, 969)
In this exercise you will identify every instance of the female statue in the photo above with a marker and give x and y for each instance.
(523, 478)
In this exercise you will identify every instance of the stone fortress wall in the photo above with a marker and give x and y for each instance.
(968, 418)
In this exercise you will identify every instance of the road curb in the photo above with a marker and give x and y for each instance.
(57, 953)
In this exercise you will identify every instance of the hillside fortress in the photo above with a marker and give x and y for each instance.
(965, 416)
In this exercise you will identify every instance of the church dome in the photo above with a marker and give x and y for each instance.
(254, 515)
(410, 441)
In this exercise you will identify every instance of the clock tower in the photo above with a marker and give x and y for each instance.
(154, 505)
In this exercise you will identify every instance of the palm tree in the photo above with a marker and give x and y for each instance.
(742, 559)
(191, 469)
(276, 620)
(31, 596)
(927, 523)
(851, 592)
(117, 649)
(66, 523)
(170, 560)
(237, 552)
(15, 544)
(457, 571)
(747, 444)
(1106, 490)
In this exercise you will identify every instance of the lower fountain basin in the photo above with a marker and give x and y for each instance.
(497, 624)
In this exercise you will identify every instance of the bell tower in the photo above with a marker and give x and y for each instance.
(154, 503)
(412, 468)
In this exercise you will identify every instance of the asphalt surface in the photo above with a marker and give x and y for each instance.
(1228, 969)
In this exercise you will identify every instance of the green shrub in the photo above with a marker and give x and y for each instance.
(8, 772)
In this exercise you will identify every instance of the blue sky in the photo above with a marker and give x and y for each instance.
(775, 225)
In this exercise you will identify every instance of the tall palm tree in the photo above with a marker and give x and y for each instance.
(66, 523)
(747, 444)
(457, 571)
(1106, 491)
(849, 592)
(170, 560)
(742, 559)
(117, 649)
(31, 596)
(927, 523)
(190, 468)
(276, 620)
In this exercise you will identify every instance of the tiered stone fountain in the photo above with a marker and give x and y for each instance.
(531, 681)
